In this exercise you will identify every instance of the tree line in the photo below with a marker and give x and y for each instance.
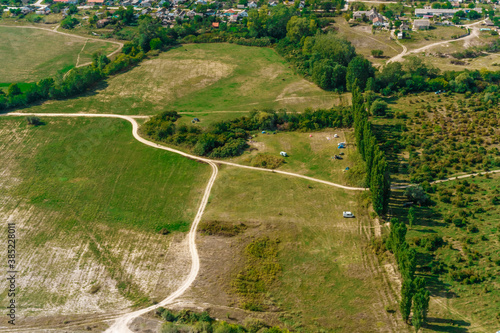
(74, 82)
(414, 295)
(377, 176)
(229, 138)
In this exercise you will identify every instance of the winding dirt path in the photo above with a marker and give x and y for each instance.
(135, 132)
(120, 323)
(474, 33)
(449, 179)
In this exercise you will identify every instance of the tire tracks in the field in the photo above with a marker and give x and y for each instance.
(54, 30)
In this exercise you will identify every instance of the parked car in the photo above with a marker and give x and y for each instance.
(348, 214)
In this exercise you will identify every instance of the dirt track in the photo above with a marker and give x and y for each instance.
(120, 323)
(405, 52)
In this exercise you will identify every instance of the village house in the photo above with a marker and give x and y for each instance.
(371, 14)
(252, 4)
(95, 2)
(102, 23)
(421, 24)
(70, 2)
(442, 12)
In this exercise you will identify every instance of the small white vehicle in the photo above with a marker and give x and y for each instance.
(336, 136)
(284, 154)
(348, 214)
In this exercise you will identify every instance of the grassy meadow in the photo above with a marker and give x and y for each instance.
(107, 211)
(422, 38)
(311, 154)
(29, 55)
(325, 278)
(201, 78)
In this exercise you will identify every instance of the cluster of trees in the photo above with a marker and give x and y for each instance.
(414, 295)
(69, 22)
(221, 140)
(331, 61)
(76, 81)
(376, 165)
(151, 36)
(228, 138)
(414, 75)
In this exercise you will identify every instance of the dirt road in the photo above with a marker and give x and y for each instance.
(405, 52)
(120, 324)
(54, 30)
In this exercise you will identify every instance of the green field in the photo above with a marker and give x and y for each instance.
(327, 279)
(311, 154)
(89, 201)
(201, 78)
(29, 54)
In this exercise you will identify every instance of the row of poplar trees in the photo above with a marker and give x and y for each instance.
(376, 165)
(414, 295)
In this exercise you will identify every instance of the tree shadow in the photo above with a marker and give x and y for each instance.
(446, 325)
(389, 137)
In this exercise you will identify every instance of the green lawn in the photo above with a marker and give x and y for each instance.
(326, 281)
(202, 78)
(29, 55)
(89, 201)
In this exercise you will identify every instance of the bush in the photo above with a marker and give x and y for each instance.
(417, 195)
(69, 23)
(219, 228)
(32, 120)
(377, 53)
(431, 243)
(267, 161)
(379, 108)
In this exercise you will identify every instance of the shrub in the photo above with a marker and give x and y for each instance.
(220, 228)
(267, 161)
(417, 195)
(32, 120)
(432, 242)
(377, 53)
(379, 108)
(69, 23)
